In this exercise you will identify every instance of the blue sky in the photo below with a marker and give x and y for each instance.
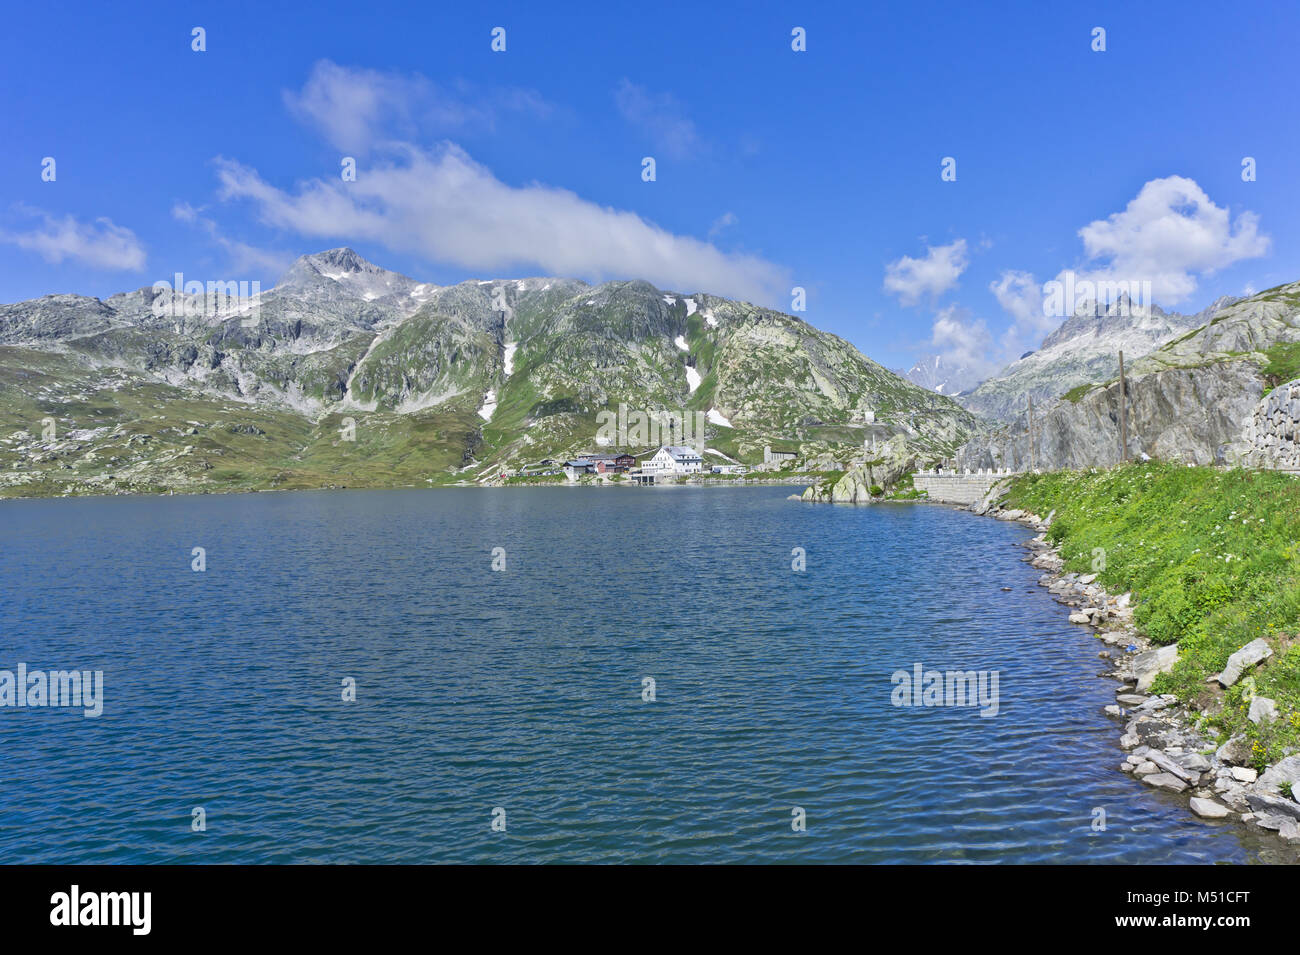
(774, 168)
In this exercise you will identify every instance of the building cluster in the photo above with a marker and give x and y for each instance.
(668, 462)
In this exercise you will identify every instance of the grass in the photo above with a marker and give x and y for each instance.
(1283, 363)
(1213, 562)
(149, 437)
(1077, 392)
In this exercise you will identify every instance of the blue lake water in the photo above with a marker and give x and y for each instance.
(522, 689)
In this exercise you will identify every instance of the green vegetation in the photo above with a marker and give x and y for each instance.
(380, 398)
(1283, 363)
(826, 479)
(1077, 392)
(1213, 562)
(905, 490)
(114, 432)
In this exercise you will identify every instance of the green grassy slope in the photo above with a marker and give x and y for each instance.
(1213, 560)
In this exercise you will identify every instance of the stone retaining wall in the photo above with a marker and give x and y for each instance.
(1271, 433)
(957, 487)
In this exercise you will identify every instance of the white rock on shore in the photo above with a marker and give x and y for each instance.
(1208, 808)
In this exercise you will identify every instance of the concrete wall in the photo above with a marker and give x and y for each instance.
(957, 487)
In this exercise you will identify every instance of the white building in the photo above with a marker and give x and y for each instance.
(672, 460)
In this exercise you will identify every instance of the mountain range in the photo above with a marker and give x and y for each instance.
(942, 375)
(1085, 348)
(1191, 400)
(345, 373)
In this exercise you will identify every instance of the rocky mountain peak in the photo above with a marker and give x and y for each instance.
(341, 275)
(1093, 319)
(339, 260)
(944, 377)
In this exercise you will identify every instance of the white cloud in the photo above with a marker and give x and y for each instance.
(659, 117)
(911, 279)
(721, 224)
(243, 257)
(438, 203)
(445, 207)
(1021, 297)
(1170, 233)
(963, 342)
(357, 110)
(100, 244)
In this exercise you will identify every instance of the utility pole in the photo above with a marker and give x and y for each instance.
(1031, 432)
(1123, 413)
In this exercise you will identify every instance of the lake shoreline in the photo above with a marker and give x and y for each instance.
(375, 586)
(1162, 746)
(213, 492)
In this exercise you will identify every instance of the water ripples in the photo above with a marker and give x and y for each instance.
(522, 689)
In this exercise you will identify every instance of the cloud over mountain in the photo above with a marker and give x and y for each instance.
(913, 279)
(1168, 234)
(440, 204)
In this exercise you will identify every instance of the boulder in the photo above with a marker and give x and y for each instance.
(1170, 782)
(1262, 710)
(1252, 653)
(1284, 771)
(1208, 808)
(1149, 664)
(1273, 805)
(1193, 762)
(1171, 766)
(1235, 752)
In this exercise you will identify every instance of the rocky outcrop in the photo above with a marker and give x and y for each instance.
(1195, 399)
(1189, 415)
(855, 486)
(1085, 348)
